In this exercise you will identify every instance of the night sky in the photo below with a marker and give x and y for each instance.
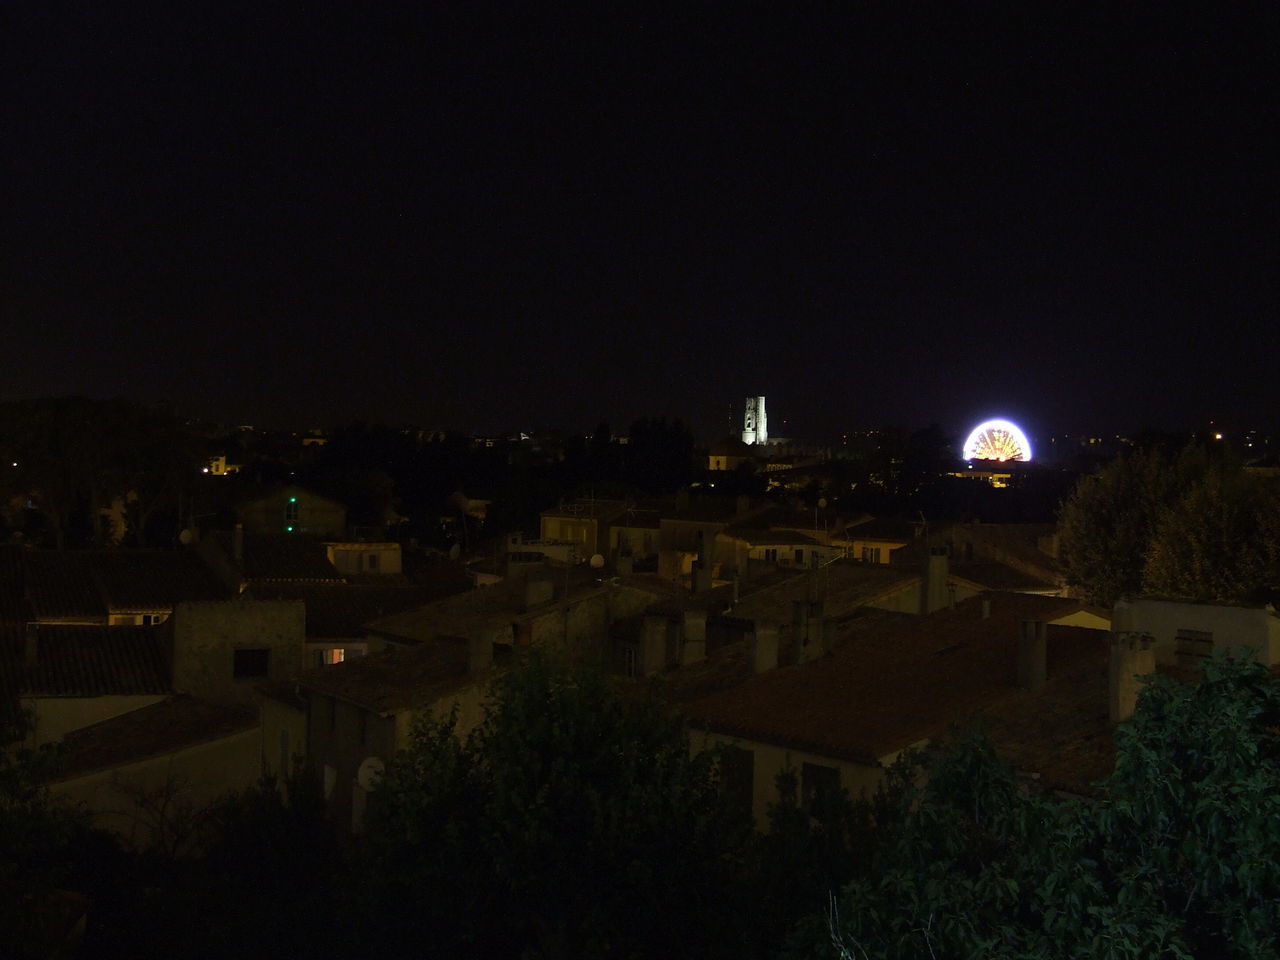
(516, 218)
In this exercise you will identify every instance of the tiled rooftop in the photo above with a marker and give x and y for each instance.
(87, 661)
(342, 610)
(396, 679)
(883, 689)
(85, 585)
(991, 575)
(59, 585)
(888, 529)
(157, 730)
(842, 586)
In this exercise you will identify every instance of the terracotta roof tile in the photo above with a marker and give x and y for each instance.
(342, 610)
(87, 661)
(884, 689)
(396, 679)
(157, 730)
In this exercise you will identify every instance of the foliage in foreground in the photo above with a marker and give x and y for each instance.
(572, 822)
(1180, 857)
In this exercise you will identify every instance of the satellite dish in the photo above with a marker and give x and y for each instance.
(455, 552)
(185, 537)
(596, 561)
(370, 772)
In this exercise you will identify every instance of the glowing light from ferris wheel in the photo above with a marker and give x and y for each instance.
(997, 440)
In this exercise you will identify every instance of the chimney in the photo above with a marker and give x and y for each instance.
(1132, 657)
(700, 577)
(1032, 653)
(237, 544)
(762, 648)
(933, 593)
(810, 630)
(986, 608)
(479, 655)
(653, 645)
(694, 648)
(31, 645)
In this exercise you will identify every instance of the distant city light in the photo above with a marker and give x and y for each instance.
(997, 440)
(288, 529)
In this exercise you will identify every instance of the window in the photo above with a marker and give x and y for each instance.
(371, 562)
(1193, 645)
(771, 555)
(799, 556)
(250, 663)
(870, 554)
(819, 788)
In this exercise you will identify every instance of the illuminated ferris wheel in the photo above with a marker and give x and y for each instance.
(997, 440)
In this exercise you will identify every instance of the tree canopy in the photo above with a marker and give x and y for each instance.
(1191, 527)
(1179, 856)
(572, 822)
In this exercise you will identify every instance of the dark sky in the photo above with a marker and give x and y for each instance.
(489, 220)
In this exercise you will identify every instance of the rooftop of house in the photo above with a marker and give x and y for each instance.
(710, 508)
(86, 661)
(888, 529)
(903, 681)
(588, 508)
(342, 610)
(279, 556)
(153, 731)
(13, 605)
(842, 586)
(90, 584)
(498, 606)
(768, 538)
(993, 575)
(401, 679)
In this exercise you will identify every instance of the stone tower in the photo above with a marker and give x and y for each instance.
(755, 425)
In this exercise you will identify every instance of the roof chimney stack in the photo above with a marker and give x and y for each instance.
(762, 648)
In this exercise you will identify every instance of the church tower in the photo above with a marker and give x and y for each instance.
(755, 425)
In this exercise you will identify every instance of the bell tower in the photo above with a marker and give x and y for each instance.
(755, 424)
